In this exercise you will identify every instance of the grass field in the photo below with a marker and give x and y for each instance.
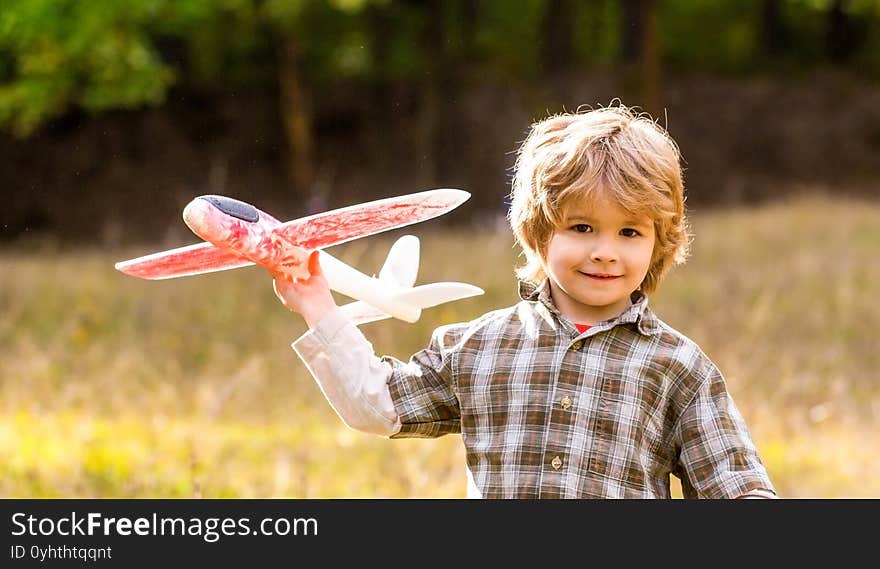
(115, 387)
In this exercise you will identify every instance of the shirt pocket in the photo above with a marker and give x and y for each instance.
(629, 429)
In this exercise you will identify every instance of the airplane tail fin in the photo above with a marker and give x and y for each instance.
(399, 272)
(402, 264)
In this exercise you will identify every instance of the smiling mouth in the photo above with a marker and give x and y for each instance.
(601, 276)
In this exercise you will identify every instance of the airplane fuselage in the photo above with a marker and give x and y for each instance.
(215, 219)
(240, 227)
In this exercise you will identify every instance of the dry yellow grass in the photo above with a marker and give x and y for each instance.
(115, 387)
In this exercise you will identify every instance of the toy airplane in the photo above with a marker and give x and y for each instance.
(237, 235)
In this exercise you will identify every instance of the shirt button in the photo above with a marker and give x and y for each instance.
(566, 402)
(556, 463)
(577, 345)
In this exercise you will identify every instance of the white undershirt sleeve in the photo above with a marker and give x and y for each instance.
(352, 378)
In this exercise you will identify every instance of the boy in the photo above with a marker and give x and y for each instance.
(579, 390)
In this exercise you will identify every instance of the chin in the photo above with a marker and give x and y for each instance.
(594, 302)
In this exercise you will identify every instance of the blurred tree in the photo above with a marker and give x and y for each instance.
(419, 61)
(865, 19)
(61, 55)
(435, 89)
(95, 55)
(56, 55)
(839, 32)
(596, 26)
(508, 38)
(557, 37)
(718, 37)
(284, 22)
(640, 51)
(650, 58)
(774, 33)
(310, 42)
(846, 29)
(630, 30)
(443, 33)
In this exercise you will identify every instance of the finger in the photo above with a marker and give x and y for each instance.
(279, 276)
(314, 264)
(281, 283)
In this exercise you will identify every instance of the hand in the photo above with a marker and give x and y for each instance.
(309, 297)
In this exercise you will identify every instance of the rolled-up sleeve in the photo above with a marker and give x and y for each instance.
(351, 377)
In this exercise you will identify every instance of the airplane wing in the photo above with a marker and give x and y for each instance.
(182, 262)
(361, 220)
(312, 232)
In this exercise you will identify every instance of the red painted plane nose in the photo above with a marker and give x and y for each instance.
(218, 227)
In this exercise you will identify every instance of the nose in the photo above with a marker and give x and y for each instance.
(603, 251)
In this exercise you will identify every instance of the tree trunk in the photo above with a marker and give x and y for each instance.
(631, 31)
(470, 15)
(650, 58)
(295, 110)
(774, 35)
(640, 52)
(383, 121)
(437, 117)
(840, 36)
(557, 37)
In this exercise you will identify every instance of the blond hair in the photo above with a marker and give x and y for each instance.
(611, 152)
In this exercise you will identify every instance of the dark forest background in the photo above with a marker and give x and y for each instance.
(113, 115)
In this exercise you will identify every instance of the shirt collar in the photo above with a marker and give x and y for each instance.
(638, 313)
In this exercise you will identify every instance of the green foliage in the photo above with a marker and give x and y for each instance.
(403, 59)
(706, 34)
(510, 37)
(727, 36)
(57, 55)
(61, 54)
(597, 32)
(96, 55)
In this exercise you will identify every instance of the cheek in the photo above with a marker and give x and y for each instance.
(562, 251)
(645, 255)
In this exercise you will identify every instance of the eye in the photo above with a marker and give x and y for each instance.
(581, 228)
(629, 232)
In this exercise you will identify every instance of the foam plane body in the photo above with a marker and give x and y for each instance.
(237, 234)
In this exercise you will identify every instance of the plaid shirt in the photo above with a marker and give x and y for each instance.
(547, 412)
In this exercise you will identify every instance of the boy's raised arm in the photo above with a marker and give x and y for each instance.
(338, 356)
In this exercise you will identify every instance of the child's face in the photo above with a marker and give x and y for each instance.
(597, 258)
